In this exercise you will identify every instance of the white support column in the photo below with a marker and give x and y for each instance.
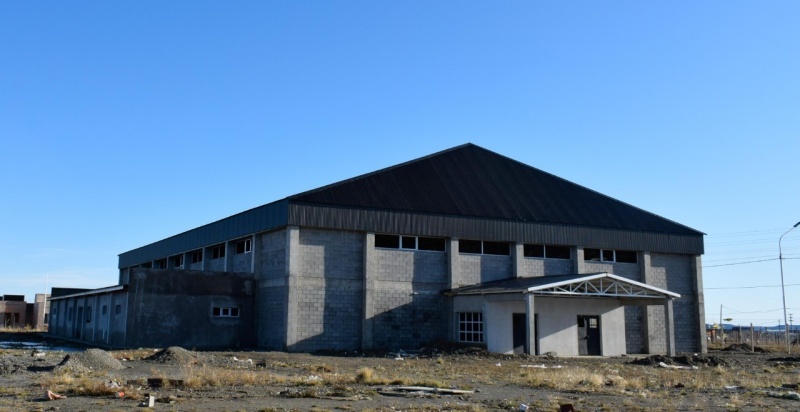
(292, 256)
(530, 324)
(669, 325)
(454, 278)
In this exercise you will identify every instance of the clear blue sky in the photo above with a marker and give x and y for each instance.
(123, 123)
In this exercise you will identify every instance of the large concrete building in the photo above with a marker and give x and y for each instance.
(463, 245)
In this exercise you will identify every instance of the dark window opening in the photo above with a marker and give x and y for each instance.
(243, 246)
(161, 264)
(469, 246)
(591, 254)
(104, 310)
(197, 256)
(496, 248)
(88, 314)
(533, 251)
(558, 252)
(117, 309)
(218, 252)
(224, 312)
(387, 241)
(409, 242)
(470, 327)
(147, 265)
(608, 255)
(177, 261)
(431, 243)
(626, 256)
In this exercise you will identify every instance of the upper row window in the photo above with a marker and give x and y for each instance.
(546, 251)
(607, 255)
(218, 251)
(435, 244)
(484, 247)
(243, 246)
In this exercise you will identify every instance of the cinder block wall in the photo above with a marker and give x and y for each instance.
(476, 269)
(533, 267)
(674, 273)
(328, 291)
(408, 309)
(635, 327)
(271, 273)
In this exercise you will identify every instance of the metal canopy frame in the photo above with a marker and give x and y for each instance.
(603, 285)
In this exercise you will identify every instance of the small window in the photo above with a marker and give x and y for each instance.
(431, 243)
(218, 251)
(558, 252)
(470, 327)
(161, 264)
(177, 261)
(626, 256)
(197, 256)
(608, 255)
(88, 314)
(533, 251)
(147, 265)
(117, 309)
(496, 248)
(469, 246)
(104, 310)
(591, 254)
(224, 312)
(387, 241)
(409, 242)
(243, 246)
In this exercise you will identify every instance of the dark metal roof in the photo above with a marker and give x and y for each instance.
(471, 181)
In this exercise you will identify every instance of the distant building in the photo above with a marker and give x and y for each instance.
(464, 245)
(17, 313)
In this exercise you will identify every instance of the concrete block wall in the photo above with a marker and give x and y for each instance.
(328, 291)
(674, 273)
(475, 269)
(271, 273)
(408, 310)
(533, 267)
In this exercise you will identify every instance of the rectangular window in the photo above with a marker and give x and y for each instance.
(608, 255)
(161, 264)
(496, 248)
(384, 241)
(224, 312)
(197, 256)
(533, 251)
(436, 244)
(558, 252)
(104, 310)
(470, 246)
(387, 241)
(218, 251)
(243, 246)
(88, 314)
(117, 309)
(591, 254)
(470, 327)
(626, 256)
(177, 261)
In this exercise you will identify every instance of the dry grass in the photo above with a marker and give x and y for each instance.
(73, 385)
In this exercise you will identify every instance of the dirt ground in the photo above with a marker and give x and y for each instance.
(440, 378)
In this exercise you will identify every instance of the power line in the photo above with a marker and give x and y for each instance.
(744, 263)
(752, 287)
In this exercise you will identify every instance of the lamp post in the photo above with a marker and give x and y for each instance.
(783, 289)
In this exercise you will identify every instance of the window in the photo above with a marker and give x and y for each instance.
(104, 310)
(243, 246)
(147, 265)
(484, 247)
(436, 244)
(470, 327)
(177, 261)
(161, 264)
(197, 256)
(117, 309)
(218, 251)
(606, 255)
(546, 251)
(223, 312)
(88, 314)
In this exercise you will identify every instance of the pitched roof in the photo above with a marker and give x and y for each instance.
(471, 181)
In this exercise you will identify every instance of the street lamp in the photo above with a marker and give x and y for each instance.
(783, 289)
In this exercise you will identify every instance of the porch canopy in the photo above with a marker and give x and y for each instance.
(586, 285)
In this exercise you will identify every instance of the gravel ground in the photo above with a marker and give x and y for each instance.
(91, 379)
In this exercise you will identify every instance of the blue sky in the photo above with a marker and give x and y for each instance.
(124, 123)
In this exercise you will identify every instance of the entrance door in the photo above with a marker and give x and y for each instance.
(520, 341)
(589, 335)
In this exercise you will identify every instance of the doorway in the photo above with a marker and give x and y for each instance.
(520, 341)
(589, 335)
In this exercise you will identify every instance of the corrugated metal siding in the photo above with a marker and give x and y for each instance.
(382, 221)
(255, 220)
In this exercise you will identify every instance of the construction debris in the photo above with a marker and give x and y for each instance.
(51, 396)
